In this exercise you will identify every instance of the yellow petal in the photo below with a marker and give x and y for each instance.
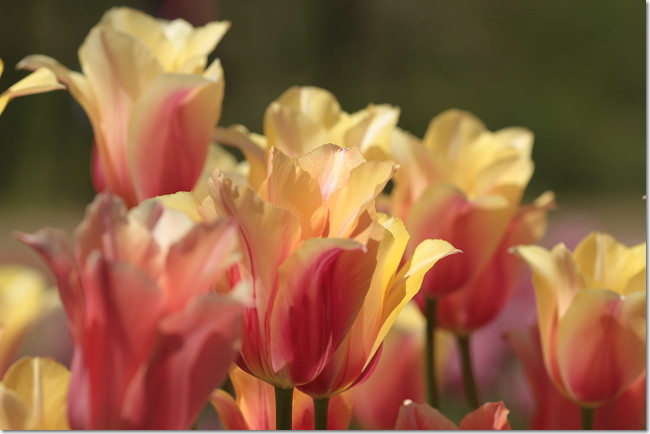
(372, 127)
(14, 414)
(42, 384)
(290, 187)
(409, 280)
(606, 263)
(557, 280)
(41, 80)
(22, 295)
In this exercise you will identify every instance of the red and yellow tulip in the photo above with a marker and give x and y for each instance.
(151, 98)
(325, 298)
(591, 306)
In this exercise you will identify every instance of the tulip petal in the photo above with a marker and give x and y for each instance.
(599, 350)
(290, 187)
(484, 296)
(195, 263)
(373, 128)
(202, 339)
(229, 414)
(322, 287)
(350, 201)
(42, 384)
(489, 416)
(22, 300)
(41, 80)
(551, 409)
(169, 133)
(414, 416)
(298, 121)
(606, 263)
(76, 83)
(461, 221)
(557, 280)
(14, 414)
(263, 228)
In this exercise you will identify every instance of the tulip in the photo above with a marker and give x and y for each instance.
(151, 338)
(481, 300)
(304, 118)
(254, 404)
(490, 416)
(333, 280)
(23, 298)
(39, 81)
(551, 410)
(592, 316)
(33, 395)
(463, 183)
(151, 101)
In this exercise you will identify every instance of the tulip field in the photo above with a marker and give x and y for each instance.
(331, 270)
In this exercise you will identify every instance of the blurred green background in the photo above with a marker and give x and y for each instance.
(573, 72)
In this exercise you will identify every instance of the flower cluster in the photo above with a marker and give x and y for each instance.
(297, 288)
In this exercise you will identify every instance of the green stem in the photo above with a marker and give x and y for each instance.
(469, 382)
(283, 404)
(587, 417)
(429, 352)
(321, 407)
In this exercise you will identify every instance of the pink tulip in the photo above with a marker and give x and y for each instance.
(151, 338)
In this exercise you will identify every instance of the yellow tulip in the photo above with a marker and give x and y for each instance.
(33, 395)
(591, 307)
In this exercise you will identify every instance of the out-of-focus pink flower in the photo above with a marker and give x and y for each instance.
(151, 337)
(325, 297)
(553, 411)
(591, 308)
(490, 416)
(253, 407)
(151, 99)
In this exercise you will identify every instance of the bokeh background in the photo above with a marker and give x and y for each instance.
(573, 72)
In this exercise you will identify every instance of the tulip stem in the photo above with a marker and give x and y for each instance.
(429, 352)
(469, 382)
(321, 407)
(587, 417)
(283, 404)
